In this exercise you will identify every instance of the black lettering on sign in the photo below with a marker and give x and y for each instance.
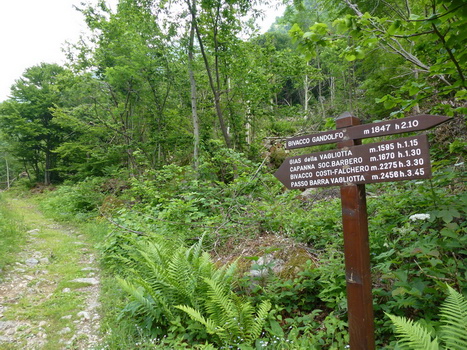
(401, 159)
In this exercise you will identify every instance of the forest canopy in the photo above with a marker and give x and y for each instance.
(161, 82)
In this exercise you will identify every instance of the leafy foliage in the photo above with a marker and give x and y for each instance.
(169, 282)
(77, 202)
(453, 332)
(27, 119)
(231, 319)
(414, 336)
(454, 320)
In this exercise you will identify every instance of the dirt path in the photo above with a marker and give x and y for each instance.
(49, 297)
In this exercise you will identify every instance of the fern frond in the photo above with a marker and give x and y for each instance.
(454, 319)
(150, 266)
(194, 314)
(196, 249)
(226, 273)
(160, 296)
(182, 277)
(154, 276)
(412, 335)
(260, 319)
(219, 304)
(142, 303)
(158, 252)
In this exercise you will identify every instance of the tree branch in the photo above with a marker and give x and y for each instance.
(438, 16)
(451, 55)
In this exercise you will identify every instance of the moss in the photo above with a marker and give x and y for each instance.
(295, 261)
(288, 258)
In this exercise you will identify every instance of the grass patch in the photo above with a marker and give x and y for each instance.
(12, 234)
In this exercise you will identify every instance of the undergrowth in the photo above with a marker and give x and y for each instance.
(417, 237)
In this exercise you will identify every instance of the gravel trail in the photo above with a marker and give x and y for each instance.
(49, 298)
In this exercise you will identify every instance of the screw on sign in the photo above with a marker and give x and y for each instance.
(351, 166)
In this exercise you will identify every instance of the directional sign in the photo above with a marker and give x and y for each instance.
(401, 159)
(390, 127)
(351, 166)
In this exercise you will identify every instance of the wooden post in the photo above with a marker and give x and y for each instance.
(357, 255)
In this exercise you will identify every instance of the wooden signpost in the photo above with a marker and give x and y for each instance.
(351, 166)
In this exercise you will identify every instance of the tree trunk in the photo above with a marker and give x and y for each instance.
(7, 174)
(194, 109)
(215, 89)
(305, 88)
(47, 167)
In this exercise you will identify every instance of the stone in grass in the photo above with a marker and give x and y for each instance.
(92, 281)
(84, 315)
(65, 330)
(32, 262)
(90, 269)
(4, 325)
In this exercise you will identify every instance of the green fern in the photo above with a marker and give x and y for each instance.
(232, 320)
(211, 327)
(413, 335)
(454, 320)
(142, 307)
(166, 274)
(453, 332)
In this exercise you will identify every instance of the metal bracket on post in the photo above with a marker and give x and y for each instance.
(357, 254)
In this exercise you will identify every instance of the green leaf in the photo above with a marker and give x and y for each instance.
(341, 25)
(394, 27)
(390, 103)
(360, 54)
(350, 57)
(319, 28)
(296, 32)
(414, 17)
(414, 89)
(276, 328)
(399, 291)
(454, 319)
(382, 99)
(448, 214)
(413, 335)
(446, 232)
